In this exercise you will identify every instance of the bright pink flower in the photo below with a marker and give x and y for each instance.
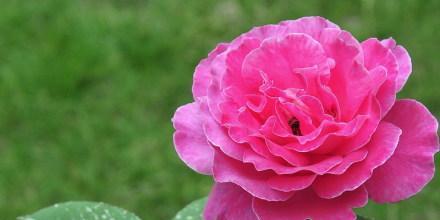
(299, 120)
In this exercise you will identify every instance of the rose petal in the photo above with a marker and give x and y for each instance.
(332, 135)
(219, 137)
(362, 135)
(320, 167)
(308, 25)
(376, 54)
(263, 32)
(349, 160)
(311, 26)
(289, 183)
(228, 170)
(403, 59)
(278, 57)
(228, 201)
(234, 62)
(316, 78)
(381, 147)
(202, 74)
(385, 90)
(292, 157)
(214, 101)
(349, 80)
(307, 205)
(412, 165)
(351, 87)
(189, 139)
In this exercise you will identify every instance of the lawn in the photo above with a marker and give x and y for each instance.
(88, 88)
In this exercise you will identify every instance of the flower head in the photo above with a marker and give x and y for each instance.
(299, 120)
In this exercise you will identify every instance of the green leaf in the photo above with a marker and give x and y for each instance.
(81, 211)
(363, 218)
(193, 211)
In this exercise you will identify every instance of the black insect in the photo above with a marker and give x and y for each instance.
(295, 126)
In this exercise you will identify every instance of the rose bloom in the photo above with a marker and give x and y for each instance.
(299, 120)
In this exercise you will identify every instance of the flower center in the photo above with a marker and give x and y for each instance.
(295, 126)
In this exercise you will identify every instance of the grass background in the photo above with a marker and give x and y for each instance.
(88, 88)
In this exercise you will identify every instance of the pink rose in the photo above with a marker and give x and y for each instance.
(299, 120)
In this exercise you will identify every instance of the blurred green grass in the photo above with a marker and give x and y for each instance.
(88, 88)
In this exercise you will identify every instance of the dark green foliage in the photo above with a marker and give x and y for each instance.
(193, 211)
(81, 211)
